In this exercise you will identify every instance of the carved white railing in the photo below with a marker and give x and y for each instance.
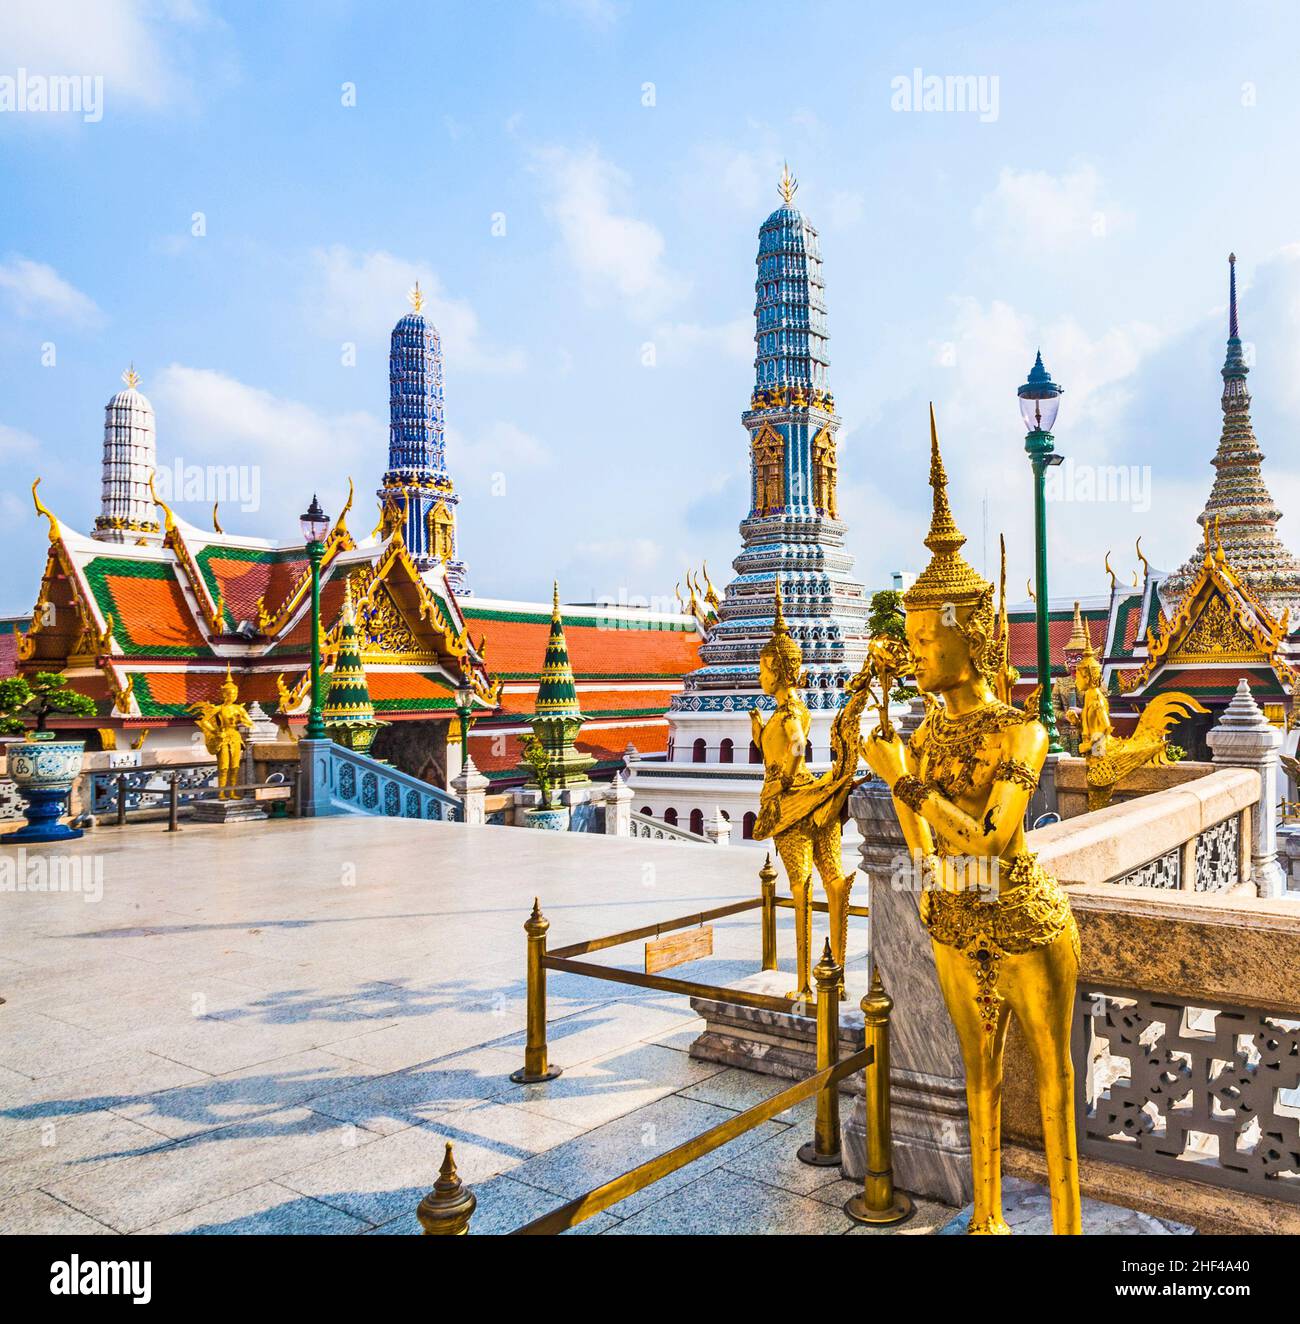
(643, 825)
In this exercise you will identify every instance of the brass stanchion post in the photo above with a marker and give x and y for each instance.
(535, 1068)
(121, 798)
(823, 1150)
(447, 1209)
(879, 1203)
(767, 881)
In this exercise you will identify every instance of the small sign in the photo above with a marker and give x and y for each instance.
(678, 948)
(272, 793)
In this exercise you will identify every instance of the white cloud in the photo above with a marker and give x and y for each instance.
(615, 253)
(503, 447)
(682, 340)
(1034, 212)
(123, 41)
(208, 417)
(14, 442)
(34, 289)
(359, 296)
(599, 14)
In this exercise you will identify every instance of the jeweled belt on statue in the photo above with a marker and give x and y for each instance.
(1031, 910)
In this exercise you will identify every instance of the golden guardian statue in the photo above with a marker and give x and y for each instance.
(1004, 940)
(222, 725)
(800, 812)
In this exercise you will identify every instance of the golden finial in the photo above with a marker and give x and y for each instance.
(43, 509)
(778, 621)
(216, 523)
(415, 297)
(1029, 588)
(1079, 637)
(788, 186)
(131, 378)
(347, 505)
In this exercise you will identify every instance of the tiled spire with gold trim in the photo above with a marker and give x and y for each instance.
(349, 714)
(558, 717)
(1240, 505)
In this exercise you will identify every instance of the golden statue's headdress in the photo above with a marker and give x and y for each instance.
(948, 578)
(781, 650)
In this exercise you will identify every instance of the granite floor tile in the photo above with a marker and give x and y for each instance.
(113, 1084)
(36, 1045)
(739, 1090)
(600, 1030)
(397, 1171)
(776, 1163)
(607, 1152)
(393, 1101)
(38, 1151)
(723, 1203)
(607, 1087)
(212, 1102)
(33, 1213)
(140, 1189)
(264, 1209)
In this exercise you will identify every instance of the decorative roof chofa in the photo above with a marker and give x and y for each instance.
(1219, 620)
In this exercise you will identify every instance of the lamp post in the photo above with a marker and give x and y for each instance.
(315, 525)
(464, 706)
(1040, 398)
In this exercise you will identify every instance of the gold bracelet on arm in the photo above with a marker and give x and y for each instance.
(1020, 774)
(911, 791)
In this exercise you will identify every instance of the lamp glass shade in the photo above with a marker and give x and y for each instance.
(464, 696)
(1039, 412)
(315, 523)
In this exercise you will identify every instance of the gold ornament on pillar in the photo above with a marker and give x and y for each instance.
(1003, 938)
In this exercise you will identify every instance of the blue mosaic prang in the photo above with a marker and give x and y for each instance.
(798, 538)
(417, 480)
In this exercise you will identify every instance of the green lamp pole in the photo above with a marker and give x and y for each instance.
(315, 525)
(464, 707)
(1039, 400)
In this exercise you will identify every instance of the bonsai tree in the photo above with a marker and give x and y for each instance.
(538, 759)
(885, 618)
(39, 696)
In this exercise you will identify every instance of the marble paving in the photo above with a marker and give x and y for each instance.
(270, 1028)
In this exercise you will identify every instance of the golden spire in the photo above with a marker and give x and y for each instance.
(778, 622)
(1079, 638)
(788, 186)
(415, 297)
(948, 578)
(131, 378)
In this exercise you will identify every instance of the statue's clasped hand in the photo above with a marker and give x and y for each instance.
(884, 757)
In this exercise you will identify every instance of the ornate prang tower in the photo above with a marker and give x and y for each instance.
(417, 491)
(792, 531)
(1239, 501)
(127, 512)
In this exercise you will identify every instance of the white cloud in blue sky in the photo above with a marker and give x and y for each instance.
(232, 226)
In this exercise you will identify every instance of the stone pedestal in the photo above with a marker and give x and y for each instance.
(1244, 738)
(773, 1043)
(931, 1136)
(227, 811)
(717, 828)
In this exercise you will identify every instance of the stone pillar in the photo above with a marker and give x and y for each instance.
(618, 808)
(1244, 738)
(471, 785)
(931, 1134)
(717, 828)
(311, 776)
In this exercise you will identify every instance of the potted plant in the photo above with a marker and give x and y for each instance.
(549, 818)
(42, 766)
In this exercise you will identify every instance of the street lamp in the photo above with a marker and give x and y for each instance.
(464, 706)
(1040, 398)
(315, 525)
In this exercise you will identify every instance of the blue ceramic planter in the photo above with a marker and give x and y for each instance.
(43, 771)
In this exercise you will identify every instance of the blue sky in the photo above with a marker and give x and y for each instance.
(1132, 148)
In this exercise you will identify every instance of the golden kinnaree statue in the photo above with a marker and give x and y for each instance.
(222, 725)
(1110, 758)
(1004, 940)
(800, 812)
